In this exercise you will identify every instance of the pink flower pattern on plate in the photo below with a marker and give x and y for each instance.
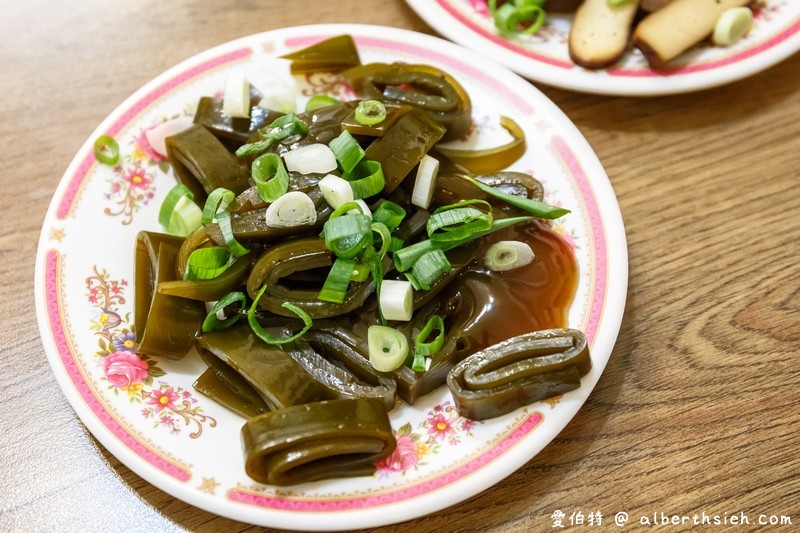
(442, 427)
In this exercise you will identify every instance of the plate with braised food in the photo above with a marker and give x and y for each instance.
(331, 276)
(623, 47)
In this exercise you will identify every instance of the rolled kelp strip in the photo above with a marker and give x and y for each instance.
(165, 325)
(323, 440)
(203, 163)
(519, 371)
(282, 269)
(271, 371)
(337, 359)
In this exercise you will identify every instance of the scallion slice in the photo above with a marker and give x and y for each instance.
(310, 159)
(459, 221)
(534, 207)
(395, 244)
(346, 236)
(426, 349)
(385, 235)
(106, 150)
(212, 321)
(430, 267)
(360, 272)
(405, 258)
(336, 191)
(224, 223)
(270, 177)
(217, 201)
(207, 263)
(510, 17)
(396, 301)
(508, 255)
(336, 284)
(270, 339)
(426, 182)
(279, 130)
(236, 99)
(179, 214)
(388, 348)
(347, 151)
(366, 179)
(319, 101)
(370, 112)
(295, 208)
(390, 214)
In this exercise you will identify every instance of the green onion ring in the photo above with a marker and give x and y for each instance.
(270, 339)
(207, 263)
(213, 322)
(319, 101)
(224, 222)
(435, 322)
(370, 112)
(366, 179)
(338, 281)
(390, 214)
(219, 200)
(106, 150)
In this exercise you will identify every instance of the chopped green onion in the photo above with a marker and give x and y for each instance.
(413, 281)
(366, 179)
(311, 159)
(207, 263)
(508, 255)
(347, 151)
(458, 221)
(360, 272)
(336, 191)
(106, 150)
(336, 284)
(390, 214)
(236, 99)
(396, 301)
(386, 238)
(319, 101)
(435, 322)
(217, 201)
(426, 182)
(270, 177)
(362, 207)
(295, 208)
(405, 258)
(430, 267)
(370, 112)
(510, 17)
(270, 339)
(396, 244)
(732, 25)
(346, 236)
(279, 130)
(179, 214)
(212, 321)
(388, 348)
(618, 3)
(224, 222)
(534, 207)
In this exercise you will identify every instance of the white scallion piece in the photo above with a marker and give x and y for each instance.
(425, 182)
(508, 255)
(157, 136)
(397, 300)
(236, 99)
(294, 208)
(281, 98)
(388, 348)
(365, 210)
(310, 159)
(336, 191)
(732, 25)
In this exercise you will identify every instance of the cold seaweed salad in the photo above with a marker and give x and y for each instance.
(330, 262)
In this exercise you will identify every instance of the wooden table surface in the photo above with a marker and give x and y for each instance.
(697, 410)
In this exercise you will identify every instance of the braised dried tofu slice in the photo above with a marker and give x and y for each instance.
(599, 34)
(681, 24)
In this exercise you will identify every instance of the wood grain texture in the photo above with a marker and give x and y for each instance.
(698, 407)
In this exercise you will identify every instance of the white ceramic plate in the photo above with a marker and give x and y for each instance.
(145, 411)
(544, 57)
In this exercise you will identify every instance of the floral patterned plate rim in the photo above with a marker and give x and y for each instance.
(144, 409)
(544, 57)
